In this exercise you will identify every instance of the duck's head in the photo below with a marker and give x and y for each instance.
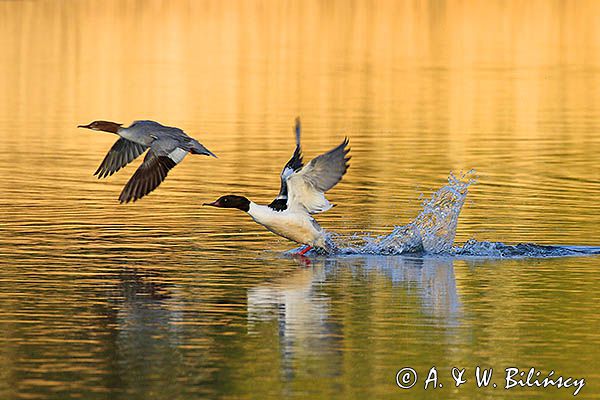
(231, 201)
(105, 126)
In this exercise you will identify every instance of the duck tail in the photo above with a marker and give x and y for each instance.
(198, 148)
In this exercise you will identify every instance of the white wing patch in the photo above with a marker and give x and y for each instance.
(307, 187)
(286, 173)
(178, 155)
(304, 195)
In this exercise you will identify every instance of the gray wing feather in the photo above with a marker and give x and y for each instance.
(325, 171)
(120, 154)
(147, 177)
(307, 187)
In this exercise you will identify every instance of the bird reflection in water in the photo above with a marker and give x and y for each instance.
(146, 335)
(306, 312)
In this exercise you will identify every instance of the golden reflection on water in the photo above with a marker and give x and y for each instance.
(421, 88)
(106, 298)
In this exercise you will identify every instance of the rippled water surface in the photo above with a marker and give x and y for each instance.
(166, 299)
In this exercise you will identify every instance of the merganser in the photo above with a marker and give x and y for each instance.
(168, 147)
(302, 194)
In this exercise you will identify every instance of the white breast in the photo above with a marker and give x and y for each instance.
(297, 227)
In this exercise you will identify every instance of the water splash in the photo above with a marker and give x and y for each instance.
(476, 249)
(434, 229)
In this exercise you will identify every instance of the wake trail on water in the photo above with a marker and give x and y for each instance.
(434, 229)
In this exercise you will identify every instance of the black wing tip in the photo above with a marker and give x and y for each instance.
(298, 130)
(344, 145)
(101, 171)
(104, 173)
(126, 195)
(131, 197)
(347, 158)
(346, 166)
(296, 162)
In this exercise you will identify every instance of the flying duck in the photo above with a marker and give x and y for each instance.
(301, 195)
(167, 146)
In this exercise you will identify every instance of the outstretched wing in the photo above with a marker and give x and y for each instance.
(120, 154)
(294, 164)
(151, 172)
(307, 187)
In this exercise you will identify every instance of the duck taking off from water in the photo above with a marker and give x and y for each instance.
(167, 146)
(302, 194)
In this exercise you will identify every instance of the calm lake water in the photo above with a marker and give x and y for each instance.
(165, 299)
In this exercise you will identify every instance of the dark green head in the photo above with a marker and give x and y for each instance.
(231, 201)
